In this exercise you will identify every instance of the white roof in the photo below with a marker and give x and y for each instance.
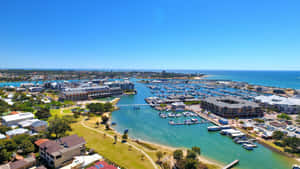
(27, 123)
(2, 136)
(275, 100)
(231, 131)
(83, 161)
(16, 131)
(178, 104)
(19, 116)
(8, 101)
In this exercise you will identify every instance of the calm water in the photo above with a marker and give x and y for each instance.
(147, 125)
(284, 79)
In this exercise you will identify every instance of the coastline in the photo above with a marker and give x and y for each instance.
(160, 146)
(202, 158)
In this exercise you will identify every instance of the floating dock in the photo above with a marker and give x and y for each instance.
(232, 164)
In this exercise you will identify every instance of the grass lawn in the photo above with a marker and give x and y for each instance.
(67, 111)
(119, 153)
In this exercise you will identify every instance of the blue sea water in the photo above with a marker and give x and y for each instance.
(283, 79)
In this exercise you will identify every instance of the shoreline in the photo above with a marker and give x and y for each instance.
(204, 159)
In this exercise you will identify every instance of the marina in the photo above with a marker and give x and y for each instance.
(148, 125)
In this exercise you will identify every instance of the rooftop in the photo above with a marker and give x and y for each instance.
(274, 99)
(230, 102)
(53, 146)
(19, 116)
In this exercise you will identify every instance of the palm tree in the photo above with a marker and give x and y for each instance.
(116, 139)
(159, 155)
(142, 157)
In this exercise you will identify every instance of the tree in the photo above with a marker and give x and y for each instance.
(107, 127)
(43, 113)
(5, 155)
(116, 139)
(159, 155)
(196, 150)
(97, 124)
(284, 116)
(178, 155)
(3, 107)
(104, 118)
(27, 147)
(58, 126)
(96, 107)
(191, 164)
(277, 135)
(108, 107)
(124, 137)
(191, 154)
(4, 129)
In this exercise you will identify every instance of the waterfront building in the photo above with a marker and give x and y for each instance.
(290, 105)
(35, 89)
(178, 106)
(85, 93)
(27, 85)
(231, 107)
(11, 120)
(57, 153)
(124, 85)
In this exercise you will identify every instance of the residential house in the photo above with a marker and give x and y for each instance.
(57, 153)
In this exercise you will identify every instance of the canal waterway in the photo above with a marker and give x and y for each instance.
(145, 124)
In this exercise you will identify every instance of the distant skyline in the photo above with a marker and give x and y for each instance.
(155, 34)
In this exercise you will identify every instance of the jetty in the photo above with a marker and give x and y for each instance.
(188, 123)
(232, 164)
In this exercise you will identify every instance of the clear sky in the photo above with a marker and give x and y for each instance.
(150, 34)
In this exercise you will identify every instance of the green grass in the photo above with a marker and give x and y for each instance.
(119, 153)
(67, 111)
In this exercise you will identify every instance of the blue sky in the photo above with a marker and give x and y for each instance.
(150, 34)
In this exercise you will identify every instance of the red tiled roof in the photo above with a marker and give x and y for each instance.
(13, 112)
(102, 165)
(40, 141)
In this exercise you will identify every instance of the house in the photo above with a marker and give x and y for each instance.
(20, 164)
(57, 153)
(40, 141)
(11, 120)
(35, 125)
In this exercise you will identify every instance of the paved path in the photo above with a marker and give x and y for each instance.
(140, 150)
